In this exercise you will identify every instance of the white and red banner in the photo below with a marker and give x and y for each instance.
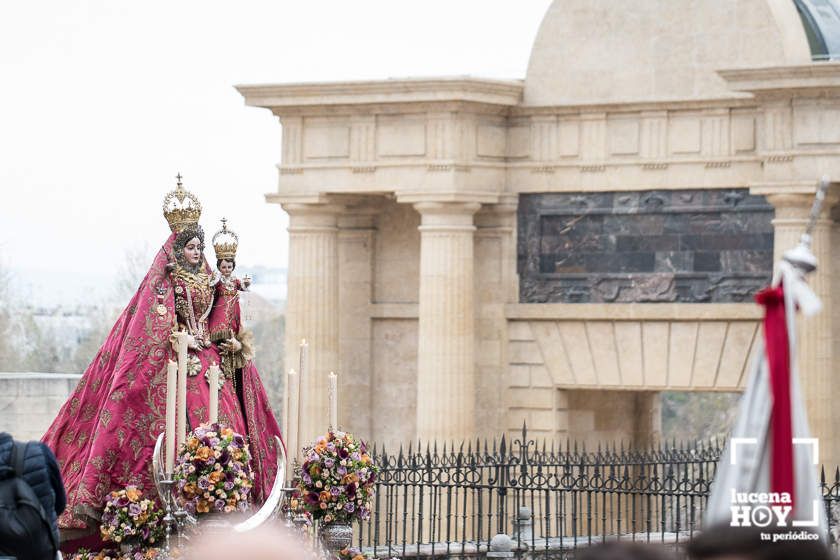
(767, 476)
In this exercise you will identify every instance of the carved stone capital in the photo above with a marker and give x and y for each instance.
(449, 216)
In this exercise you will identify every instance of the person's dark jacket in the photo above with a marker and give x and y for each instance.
(41, 473)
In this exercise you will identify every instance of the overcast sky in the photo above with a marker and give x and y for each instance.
(103, 102)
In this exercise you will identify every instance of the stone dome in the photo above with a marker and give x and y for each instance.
(605, 51)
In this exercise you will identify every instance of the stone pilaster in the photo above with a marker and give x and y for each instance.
(496, 285)
(446, 346)
(312, 307)
(356, 238)
(817, 336)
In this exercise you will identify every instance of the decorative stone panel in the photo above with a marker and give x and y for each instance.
(701, 246)
(632, 347)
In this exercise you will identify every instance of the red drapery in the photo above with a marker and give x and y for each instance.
(777, 347)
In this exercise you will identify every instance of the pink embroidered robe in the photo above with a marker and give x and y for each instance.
(105, 433)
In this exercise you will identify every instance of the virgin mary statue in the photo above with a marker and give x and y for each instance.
(104, 435)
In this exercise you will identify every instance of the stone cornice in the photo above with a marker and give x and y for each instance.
(315, 198)
(820, 76)
(447, 196)
(635, 106)
(280, 97)
(633, 311)
(785, 188)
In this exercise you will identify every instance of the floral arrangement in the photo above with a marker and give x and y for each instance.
(351, 553)
(128, 517)
(213, 471)
(146, 554)
(336, 479)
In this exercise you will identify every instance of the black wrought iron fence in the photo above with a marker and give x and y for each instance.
(450, 502)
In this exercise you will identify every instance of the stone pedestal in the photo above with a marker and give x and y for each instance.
(312, 308)
(446, 346)
(816, 336)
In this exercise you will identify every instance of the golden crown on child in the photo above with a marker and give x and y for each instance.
(225, 242)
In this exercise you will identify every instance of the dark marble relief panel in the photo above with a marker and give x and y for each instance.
(650, 246)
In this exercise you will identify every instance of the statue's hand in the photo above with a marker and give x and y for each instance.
(193, 342)
(231, 345)
(246, 282)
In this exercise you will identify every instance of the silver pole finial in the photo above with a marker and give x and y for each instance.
(801, 256)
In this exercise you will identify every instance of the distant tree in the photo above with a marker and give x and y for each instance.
(690, 416)
(9, 356)
(130, 272)
(40, 350)
(269, 333)
(101, 322)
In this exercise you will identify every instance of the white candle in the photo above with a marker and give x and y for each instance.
(213, 375)
(303, 396)
(333, 396)
(171, 388)
(181, 418)
(292, 388)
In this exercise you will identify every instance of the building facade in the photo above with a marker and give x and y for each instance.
(472, 254)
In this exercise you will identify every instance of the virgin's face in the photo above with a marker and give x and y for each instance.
(192, 251)
(226, 268)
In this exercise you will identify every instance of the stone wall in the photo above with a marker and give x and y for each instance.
(558, 353)
(30, 401)
(650, 246)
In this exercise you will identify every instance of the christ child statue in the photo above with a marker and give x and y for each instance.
(225, 321)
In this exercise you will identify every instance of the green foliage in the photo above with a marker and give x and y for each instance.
(693, 416)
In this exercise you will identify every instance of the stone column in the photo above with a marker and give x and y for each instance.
(446, 345)
(816, 335)
(312, 307)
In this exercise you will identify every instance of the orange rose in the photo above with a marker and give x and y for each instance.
(358, 557)
(366, 459)
(216, 476)
(203, 506)
(193, 443)
(133, 494)
(190, 489)
(350, 478)
(204, 453)
(324, 496)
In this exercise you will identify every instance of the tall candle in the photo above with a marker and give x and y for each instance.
(181, 418)
(213, 375)
(333, 396)
(292, 403)
(303, 395)
(171, 388)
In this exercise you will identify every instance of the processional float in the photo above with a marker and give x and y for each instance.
(177, 520)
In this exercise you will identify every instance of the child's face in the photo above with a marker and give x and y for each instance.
(226, 268)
